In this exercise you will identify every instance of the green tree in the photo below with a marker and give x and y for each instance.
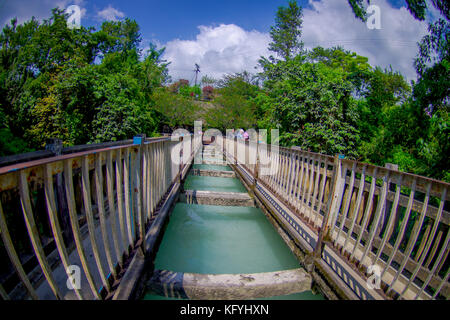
(433, 65)
(177, 110)
(385, 89)
(233, 105)
(208, 81)
(119, 36)
(287, 31)
(79, 85)
(32, 56)
(191, 91)
(431, 103)
(10, 144)
(311, 104)
(123, 112)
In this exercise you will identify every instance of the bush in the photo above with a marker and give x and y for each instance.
(193, 92)
(208, 92)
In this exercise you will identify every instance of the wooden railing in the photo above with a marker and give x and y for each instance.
(93, 203)
(371, 216)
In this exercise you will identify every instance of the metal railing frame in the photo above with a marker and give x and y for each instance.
(369, 215)
(124, 180)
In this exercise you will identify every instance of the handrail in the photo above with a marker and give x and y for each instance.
(48, 153)
(368, 215)
(88, 201)
(99, 202)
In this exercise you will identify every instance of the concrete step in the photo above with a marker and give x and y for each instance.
(214, 161)
(229, 286)
(217, 198)
(211, 153)
(212, 157)
(213, 173)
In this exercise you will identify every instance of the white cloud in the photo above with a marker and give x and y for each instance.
(110, 13)
(331, 23)
(218, 50)
(229, 48)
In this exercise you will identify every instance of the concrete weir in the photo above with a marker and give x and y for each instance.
(217, 198)
(213, 173)
(229, 286)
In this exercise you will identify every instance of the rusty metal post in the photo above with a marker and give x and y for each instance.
(55, 145)
(138, 189)
(257, 163)
(324, 228)
(255, 174)
(181, 159)
(235, 146)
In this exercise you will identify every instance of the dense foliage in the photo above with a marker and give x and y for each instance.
(233, 105)
(80, 85)
(86, 86)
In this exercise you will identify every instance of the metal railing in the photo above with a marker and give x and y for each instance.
(90, 207)
(93, 207)
(370, 216)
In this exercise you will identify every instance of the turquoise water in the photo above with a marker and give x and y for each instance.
(213, 184)
(219, 239)
(152, 296)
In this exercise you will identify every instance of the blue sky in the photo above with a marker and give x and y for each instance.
(166, 20)
(230, 35)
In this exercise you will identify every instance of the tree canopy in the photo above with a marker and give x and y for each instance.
(85, 86)
(80, 85)
(287, 31)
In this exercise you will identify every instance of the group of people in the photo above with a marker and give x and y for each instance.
(240, 134)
